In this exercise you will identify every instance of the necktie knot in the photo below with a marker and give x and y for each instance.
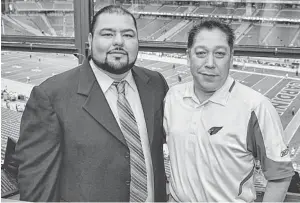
(120, 86)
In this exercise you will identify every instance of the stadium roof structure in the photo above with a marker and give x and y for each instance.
(249, 1)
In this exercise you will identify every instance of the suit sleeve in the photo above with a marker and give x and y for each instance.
(38, 150)
(166, 86)
(166, 89)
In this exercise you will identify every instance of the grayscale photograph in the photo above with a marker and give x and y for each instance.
(150, 100)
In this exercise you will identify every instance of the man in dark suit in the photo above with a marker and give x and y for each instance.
(95, 133)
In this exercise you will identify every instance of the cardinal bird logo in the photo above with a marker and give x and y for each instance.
(214, 130)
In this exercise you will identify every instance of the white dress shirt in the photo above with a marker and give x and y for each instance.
(132, 95)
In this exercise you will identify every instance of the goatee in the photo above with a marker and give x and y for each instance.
(111, 68)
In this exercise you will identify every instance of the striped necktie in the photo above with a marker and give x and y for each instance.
(129, 128)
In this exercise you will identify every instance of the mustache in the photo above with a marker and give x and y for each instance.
(118, 50)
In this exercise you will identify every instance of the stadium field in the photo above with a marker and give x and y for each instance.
(18, 66)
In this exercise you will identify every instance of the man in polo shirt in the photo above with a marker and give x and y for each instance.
(216, 128)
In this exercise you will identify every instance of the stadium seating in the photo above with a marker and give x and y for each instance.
(297, 41)
(40, 23)
(57, 22)
(269, 13)
(164, 29)
(204, 10)
(11, 27)
(181, 9)
(69, 25)
(142, 22)
(239, 12)
(25, 19)
(98, 4)
(10, 125)
(223, 11)
(291, 14)
(255, 35)
(150, 8)
(167, 9)
(182, 35)
(63, 6)
(152, 27)
(234, 26)
(281, 36)
(47, 5)
(25, 6)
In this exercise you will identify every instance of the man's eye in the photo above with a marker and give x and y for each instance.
(200, 53)
(107, 34)
(128, 35)
(220, 54)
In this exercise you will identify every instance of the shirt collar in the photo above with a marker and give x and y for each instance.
(219, 97)
(190, 94)
(222, 94)
(105, 81)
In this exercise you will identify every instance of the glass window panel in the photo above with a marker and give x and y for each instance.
(254, 23)
(54, 18)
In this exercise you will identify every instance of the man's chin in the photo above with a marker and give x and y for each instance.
(117, 68)
(119, 71)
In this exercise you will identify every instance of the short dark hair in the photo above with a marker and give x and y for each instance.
(111, 9)
(211, 24)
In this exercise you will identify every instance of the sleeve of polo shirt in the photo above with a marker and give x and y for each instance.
(265, 141)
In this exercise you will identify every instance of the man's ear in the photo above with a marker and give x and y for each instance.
(90, 40)
(231, 59)
(188, 51)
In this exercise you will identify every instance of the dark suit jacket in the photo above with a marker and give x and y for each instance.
(71, 147)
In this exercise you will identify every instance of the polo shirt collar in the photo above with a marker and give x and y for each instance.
(222, 94)
(190, 94)
(219, 97)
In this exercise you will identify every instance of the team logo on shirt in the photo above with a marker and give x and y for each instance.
(214, 130)
(284, 152)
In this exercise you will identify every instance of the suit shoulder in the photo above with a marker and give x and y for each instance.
(155, 76)
(61, 80)
(62, 84)
(150, 73)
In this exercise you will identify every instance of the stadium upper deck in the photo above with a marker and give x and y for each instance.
(254, 23)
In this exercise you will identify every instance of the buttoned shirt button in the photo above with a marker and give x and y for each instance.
(127, 182)
(127, 155)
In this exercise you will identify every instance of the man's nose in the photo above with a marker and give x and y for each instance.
(118, 39)
(210, 62)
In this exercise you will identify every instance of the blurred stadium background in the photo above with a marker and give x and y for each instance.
(41, 38)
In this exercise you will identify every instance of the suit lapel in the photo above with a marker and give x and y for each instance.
(96, 104)
(147, 99)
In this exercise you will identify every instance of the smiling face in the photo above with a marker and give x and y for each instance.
(210, 59)
(114, 43)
